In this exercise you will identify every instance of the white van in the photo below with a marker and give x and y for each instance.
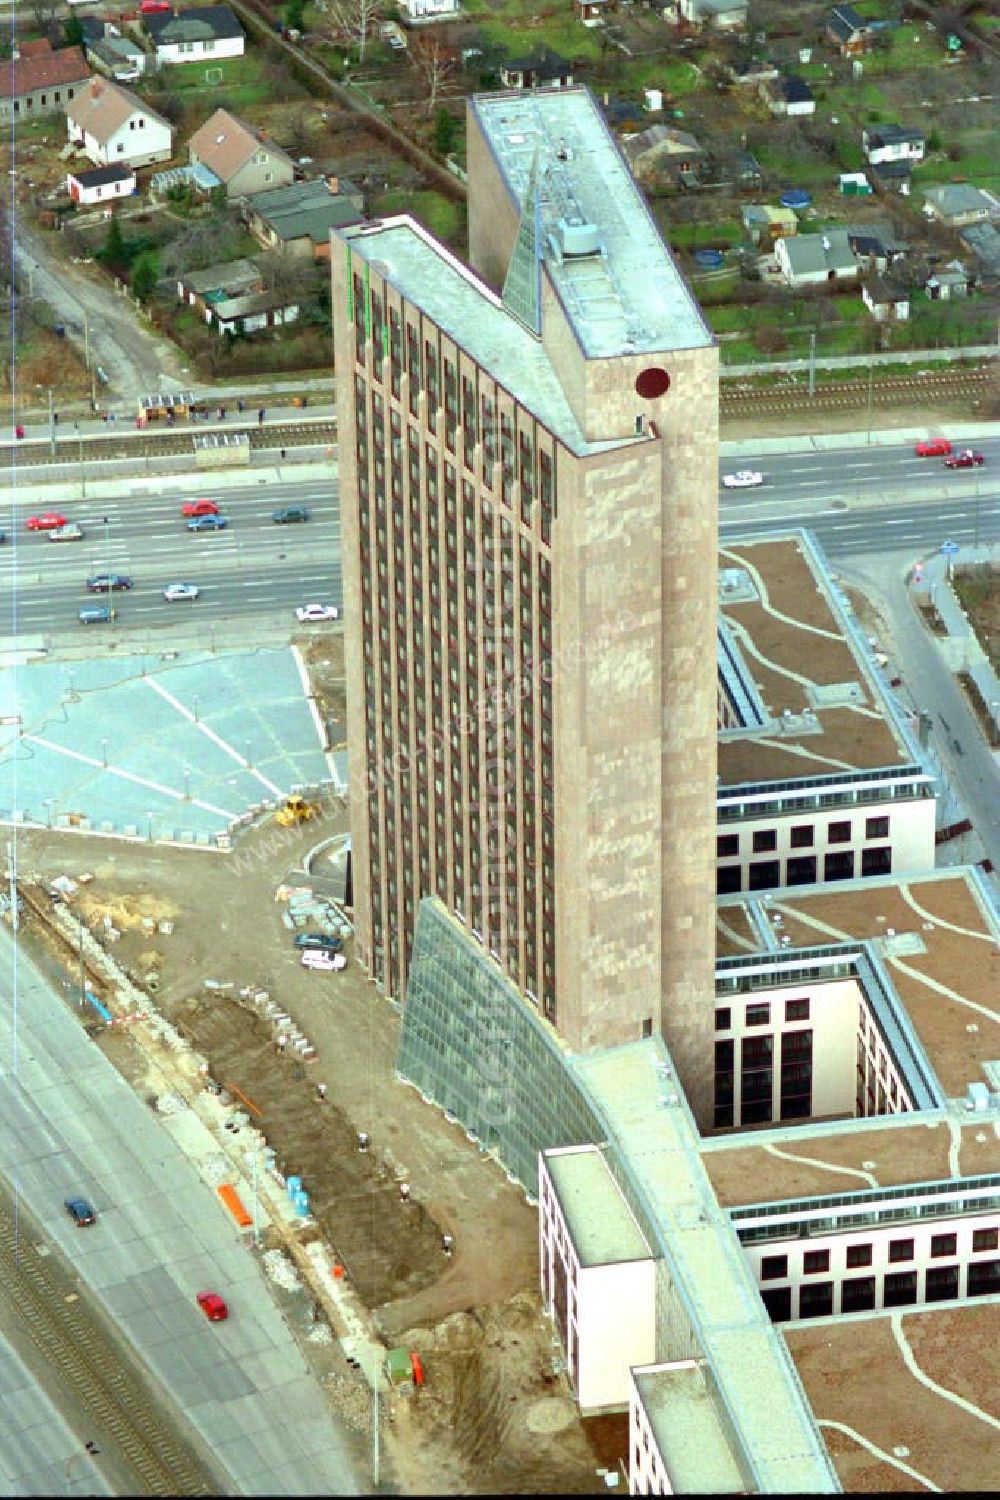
(318, 958)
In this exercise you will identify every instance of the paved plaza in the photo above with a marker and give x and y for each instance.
(176, 747)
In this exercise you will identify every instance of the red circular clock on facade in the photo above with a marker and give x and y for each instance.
(652, 382)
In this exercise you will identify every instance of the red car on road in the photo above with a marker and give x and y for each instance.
(199, 508)
(933, 448)
(967, 459)
(213, 1306)
(47, 521)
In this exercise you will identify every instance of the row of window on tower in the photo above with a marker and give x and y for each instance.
(452, 682)
(497, 447)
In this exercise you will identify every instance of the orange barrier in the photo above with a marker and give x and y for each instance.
(251, 1106)
(234, 1203)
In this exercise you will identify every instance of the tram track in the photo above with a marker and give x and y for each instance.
(68, 1336)
(165, 442)
(744, 399)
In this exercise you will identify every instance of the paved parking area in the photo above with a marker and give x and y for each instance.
(176, 746)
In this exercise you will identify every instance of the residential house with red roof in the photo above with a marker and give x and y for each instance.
(40, 81)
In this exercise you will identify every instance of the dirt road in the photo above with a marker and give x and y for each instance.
(136, 360)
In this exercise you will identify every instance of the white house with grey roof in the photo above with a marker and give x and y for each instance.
(812, 259)
(727, 15)
(201, 34)
(958, 204)
(892, 143)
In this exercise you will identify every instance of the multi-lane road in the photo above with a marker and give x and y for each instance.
(856, 501)
(253, 567)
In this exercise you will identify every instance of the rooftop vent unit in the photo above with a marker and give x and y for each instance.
(578, 239)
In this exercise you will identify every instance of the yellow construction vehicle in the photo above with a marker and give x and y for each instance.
(296, 810)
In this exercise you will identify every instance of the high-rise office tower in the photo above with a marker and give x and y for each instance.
(528, 455)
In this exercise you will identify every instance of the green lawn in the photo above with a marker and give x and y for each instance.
(676, 77)
(789, 168)
(701, 236)
(517, 27)
(911, 47)
(245, 81)
(864, 96)
(442, 216)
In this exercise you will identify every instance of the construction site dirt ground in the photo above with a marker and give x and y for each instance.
(496, 1414)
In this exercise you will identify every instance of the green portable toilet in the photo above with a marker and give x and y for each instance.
(398, 1367)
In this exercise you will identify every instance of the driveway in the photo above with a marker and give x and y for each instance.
(136, 359)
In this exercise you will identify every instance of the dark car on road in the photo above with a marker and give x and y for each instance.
(98, 614)
(967, 459)
(318, 940)
(80, 1211)
(207, 523)
(289, 513)
(103, 583)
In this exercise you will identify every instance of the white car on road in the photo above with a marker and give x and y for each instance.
(175, 591)
(743, 479)
(71, 532)
(306, 614)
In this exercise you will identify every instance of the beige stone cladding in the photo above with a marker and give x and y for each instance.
(360, 772)
(607, 712)
(493, 214)
(635, 570)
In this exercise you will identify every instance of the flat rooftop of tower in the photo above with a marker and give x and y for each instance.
(936, 936)
(623, 294)
(801, 677)
(597, 1216)
(429, 276)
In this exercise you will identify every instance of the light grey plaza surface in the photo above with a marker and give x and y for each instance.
(70, 1124)
(39, 1454)
(157, 746)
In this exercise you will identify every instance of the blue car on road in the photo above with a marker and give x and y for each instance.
(207, 523)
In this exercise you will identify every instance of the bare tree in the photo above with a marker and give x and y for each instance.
(294, 277)
(433, 64)
(44, 11)
(354, 19)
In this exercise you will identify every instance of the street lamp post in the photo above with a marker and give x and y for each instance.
(12, 864)
(104, 754)
(107, 554)
(149, 826)
(83, 472)
(83, 985)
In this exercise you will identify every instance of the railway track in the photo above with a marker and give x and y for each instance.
(69, 1338)
(745, 399)
(161, 442)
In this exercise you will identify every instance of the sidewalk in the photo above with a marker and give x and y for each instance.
(68, 429)
(961, 650)
(862, 361)
(891, 437)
